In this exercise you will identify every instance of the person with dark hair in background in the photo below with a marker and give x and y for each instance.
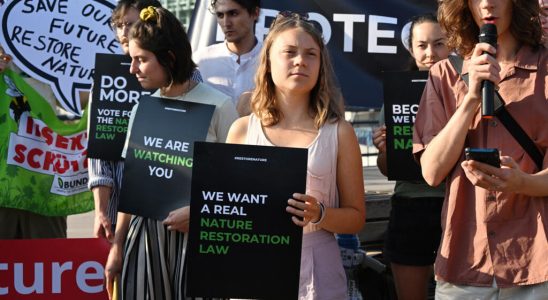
(494, 220)
(105, 177)
(414, 228)
(297, 104)
(231, 65)
(146, 253)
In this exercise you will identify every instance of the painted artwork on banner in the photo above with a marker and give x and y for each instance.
(60, 269)
(115, 92)
(56, 41)
(239, 223)
(158, 161)
(43, 166)
(402, 94)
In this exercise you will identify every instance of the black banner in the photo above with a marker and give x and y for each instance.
(158, 164)
(402, 94)
(363, 37)
(239, 225)
(115, 92)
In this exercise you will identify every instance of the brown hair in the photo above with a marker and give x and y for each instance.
(462, 31)
(123, 6)
(164, 35)
(326, 101)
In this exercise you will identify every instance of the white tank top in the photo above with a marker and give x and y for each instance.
(321, 175)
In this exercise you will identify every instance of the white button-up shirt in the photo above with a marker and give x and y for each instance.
(220, 68)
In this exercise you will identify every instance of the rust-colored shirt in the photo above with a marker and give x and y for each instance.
(483, 237)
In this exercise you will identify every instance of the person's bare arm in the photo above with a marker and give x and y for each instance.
(349, 217)
(178, 219)
(238, 131)
(379, 141)
(101, 180)
(438, 159)
(102, 226)
(244, 104)
(113, 266)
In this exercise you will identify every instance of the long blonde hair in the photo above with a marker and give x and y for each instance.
(326, 102)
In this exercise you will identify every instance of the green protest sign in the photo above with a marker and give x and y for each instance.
(43, 165)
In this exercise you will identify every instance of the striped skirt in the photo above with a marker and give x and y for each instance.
(153, 266)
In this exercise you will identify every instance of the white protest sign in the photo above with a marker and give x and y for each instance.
(55, 41)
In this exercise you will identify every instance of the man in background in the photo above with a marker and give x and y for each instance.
(230, 66)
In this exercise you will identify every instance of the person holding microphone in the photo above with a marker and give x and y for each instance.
(494, 220)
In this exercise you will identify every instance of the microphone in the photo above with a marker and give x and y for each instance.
(488, 34)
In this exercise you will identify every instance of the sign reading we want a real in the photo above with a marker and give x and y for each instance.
(239, 223)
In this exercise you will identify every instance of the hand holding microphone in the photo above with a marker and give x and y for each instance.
(488, 34)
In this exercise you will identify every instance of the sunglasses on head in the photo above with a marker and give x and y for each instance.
(292, 14)
(287, 14)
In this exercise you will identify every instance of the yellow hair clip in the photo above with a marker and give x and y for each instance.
(148, 14)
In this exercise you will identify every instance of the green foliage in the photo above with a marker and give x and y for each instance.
(12, 171)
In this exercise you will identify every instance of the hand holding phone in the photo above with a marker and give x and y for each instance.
(489, 156)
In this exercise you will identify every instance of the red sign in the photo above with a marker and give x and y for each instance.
(53, 269)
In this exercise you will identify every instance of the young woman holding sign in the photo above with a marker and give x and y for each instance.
(105, 177)
(296, 104)
(153, 252)
(414, 228)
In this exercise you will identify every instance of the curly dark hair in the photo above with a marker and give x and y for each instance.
(462, 32)
(166, 38)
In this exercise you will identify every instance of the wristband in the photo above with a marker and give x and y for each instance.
(322, 214)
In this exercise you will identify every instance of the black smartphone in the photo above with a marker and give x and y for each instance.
(485, 155)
